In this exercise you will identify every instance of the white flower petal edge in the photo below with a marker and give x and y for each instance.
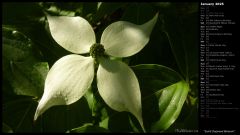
(67, 81)
(119, 87)
(74, 34)
(123, 39)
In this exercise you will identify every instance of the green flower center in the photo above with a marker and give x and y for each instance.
(97, 50)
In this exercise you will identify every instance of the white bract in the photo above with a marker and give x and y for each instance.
(71, 76)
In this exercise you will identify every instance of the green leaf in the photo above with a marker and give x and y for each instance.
(21, 64)
(28, 78)
(153, 77)
(90, 98)
(16, 46)
(60, 9)
(159, 86)
(88, 128)
(181, 30)
(6, 128)
(171, 100)
(188, 119)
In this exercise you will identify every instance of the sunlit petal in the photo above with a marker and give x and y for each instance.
(67, 81)
(74, 34)
(123, 39)
(119, 88)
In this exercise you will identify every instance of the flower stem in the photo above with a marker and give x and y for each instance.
(96, 106)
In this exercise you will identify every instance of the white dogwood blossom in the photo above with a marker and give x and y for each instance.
(72, 75)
